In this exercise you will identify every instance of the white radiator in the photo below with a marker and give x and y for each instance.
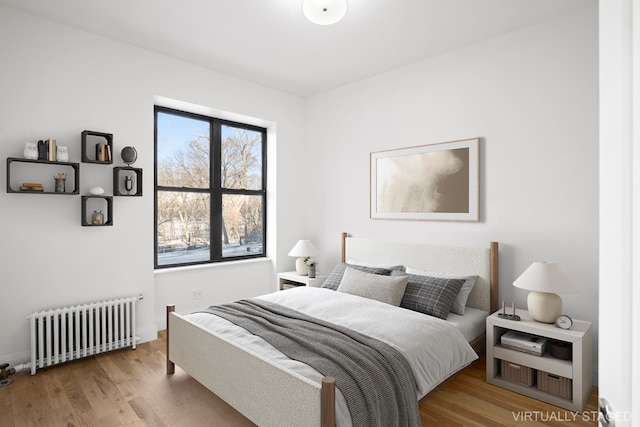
(68, 333)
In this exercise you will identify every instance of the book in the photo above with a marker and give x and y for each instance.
(527, 343)
(51, 150)
(31, 186)
(101, 152)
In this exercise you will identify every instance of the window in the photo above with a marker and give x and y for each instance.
(210, 189)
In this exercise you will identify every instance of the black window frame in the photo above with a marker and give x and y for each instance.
(215, 190)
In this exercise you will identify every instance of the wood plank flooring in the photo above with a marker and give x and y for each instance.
(129, 387)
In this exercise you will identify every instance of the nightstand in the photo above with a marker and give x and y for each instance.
(290, 279)
(564, 383)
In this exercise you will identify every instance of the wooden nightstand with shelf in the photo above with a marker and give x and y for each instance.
(292, 279)
(554, 376)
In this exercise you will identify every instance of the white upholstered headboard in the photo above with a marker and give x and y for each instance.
(482, 262)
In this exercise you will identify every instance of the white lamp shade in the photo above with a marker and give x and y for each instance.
(324, 12)
(304, 248)
(545, 277)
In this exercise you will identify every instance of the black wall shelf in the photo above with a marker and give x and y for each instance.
(74, 166)
(108, 216)
(89, 146)
(119, 174)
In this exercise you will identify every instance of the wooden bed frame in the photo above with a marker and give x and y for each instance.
(256, 386)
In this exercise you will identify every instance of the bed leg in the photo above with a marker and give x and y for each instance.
(171, 367)
(328, 402)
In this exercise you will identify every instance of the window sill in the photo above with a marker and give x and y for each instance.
(212, 265)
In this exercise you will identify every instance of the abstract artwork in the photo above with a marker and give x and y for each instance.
(427, 182)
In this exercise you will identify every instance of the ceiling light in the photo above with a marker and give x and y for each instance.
(324, 12)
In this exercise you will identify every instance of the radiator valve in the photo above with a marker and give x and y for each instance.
(5, 374)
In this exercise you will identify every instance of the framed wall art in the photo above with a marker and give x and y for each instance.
(438, 182)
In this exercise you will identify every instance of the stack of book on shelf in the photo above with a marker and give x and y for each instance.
(47, 149)
(103, 152)
(31, 186)
(526, 343)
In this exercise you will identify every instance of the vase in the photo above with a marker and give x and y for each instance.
(312, 271)
(97, 218)
(60, 185)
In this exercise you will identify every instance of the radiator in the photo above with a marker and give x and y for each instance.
(68, 333)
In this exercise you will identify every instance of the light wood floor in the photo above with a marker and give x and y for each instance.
(130, 388)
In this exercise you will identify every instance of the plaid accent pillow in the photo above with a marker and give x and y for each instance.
(430, 295)
(461, 299)
(335, 277)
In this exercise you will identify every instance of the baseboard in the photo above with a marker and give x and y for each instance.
(147, 333)
(16, 359)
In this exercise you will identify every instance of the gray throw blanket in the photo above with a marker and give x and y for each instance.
(375, 379)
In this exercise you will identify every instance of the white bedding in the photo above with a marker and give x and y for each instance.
(434, 348)
(472, 324)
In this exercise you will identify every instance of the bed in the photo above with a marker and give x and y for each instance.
(271, 390)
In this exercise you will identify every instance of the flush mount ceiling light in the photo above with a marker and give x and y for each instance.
(324, 12)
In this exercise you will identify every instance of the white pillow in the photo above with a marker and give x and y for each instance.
(388, 289)
(374, 265)
(461, 299)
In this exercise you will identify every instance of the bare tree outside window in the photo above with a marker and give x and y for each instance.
(191, 152)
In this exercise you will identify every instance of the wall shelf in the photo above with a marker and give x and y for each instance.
(107, 203)
(119, 174)
(89, 141)
(74, 167)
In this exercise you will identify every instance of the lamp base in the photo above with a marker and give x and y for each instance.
(303, 270)
(544, 307)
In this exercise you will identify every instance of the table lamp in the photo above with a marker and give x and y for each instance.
(545, 280)
(303, 249)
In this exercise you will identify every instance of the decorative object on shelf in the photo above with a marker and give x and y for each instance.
(564, 322)
(97, 218)
(96, 191)
(546, 281)
(324, 12)
(505, 315)
(129, 155)
(31, 150)
(128, 183)
(62, 153)
(560, 349)
(60, 180)
(304, 250)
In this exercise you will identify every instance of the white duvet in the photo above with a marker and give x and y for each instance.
(434, 348)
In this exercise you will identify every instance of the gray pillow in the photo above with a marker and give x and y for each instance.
(375, 265)
(461, 299)
(430, 295)
(333, 280)
(381, 288)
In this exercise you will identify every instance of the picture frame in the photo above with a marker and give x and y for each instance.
(433, 182)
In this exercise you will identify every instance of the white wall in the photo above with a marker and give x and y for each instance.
(55, 82)
(532, 96)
